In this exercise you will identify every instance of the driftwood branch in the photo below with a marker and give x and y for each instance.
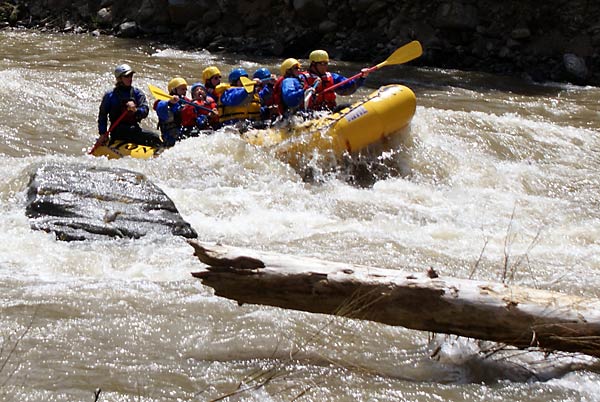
(511, 315)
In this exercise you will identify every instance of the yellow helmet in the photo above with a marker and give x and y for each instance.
(287, 64)
(175, 82)
(210, 72)
(317, 56)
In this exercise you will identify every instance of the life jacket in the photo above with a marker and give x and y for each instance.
(267, 89)
(189, 113)
(188, 116)
(277, 98)
(270, 109)
(278, 95)
(213, 118)
(208, 103)
(321, 100)
(247, 110)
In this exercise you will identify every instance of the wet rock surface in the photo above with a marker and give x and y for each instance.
(79, 202)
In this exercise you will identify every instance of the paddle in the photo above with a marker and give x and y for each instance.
(310, 92)
(402, 55)
(248, 84)
(162, 95)
(104, 136)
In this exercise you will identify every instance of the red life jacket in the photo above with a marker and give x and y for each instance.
(188, 116)
(321, 100)
(213, 118)
(277, 98)
(189, 113)
(278, 95)
(208, 103)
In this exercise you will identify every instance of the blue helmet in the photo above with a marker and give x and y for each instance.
(196, 85)
(236, 74)
(262, 74)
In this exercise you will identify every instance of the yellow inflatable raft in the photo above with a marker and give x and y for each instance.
(383, 113)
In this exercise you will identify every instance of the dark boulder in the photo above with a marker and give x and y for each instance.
(128, 29)
(79, 202)
(575, 68)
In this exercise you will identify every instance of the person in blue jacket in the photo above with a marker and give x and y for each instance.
(127, 105)
(288, 91)
(265, 82)
(239, 102)
(169, 111)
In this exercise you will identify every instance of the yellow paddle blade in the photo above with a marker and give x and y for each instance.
(221, 88)
(404, 54)
(248, 84)
(158, 93)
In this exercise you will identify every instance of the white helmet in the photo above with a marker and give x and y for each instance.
(122, 70)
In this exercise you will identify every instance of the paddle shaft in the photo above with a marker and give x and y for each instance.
(161, 95)
(104, 136)
(347, 80)
(187, 102)
(308, 95)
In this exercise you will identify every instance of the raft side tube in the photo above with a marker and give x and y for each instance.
(386, 111)
(119, 149)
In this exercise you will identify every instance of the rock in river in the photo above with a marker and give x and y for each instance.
(79, 202)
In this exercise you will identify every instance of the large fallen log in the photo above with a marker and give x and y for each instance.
(511, 315)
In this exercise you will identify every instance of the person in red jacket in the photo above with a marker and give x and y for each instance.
(202, 113)
(318, 77)
(211, 76)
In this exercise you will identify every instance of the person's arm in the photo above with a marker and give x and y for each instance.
(234, 96)
(292, 92)
(103, 114)
(162, 110)
(211, 104)
(142, 105)
(350, 87)
(265, 94)
(206, 107)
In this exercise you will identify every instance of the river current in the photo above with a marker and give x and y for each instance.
(496, 174)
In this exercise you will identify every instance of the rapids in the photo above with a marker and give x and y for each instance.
(497, 178)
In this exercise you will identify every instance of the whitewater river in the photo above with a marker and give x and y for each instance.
(494, 170)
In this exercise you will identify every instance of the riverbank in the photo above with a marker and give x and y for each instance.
(556, 41)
